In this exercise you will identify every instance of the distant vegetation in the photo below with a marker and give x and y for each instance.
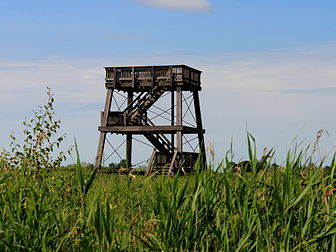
(253, 205)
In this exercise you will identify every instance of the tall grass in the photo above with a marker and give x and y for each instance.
(267, 209)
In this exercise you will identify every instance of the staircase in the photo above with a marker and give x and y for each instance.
(158, 166)
(136, 110)
(142, 103)
(160, 170)
(158, 140)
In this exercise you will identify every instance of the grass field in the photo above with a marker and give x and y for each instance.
(269, 209)
(252, 206)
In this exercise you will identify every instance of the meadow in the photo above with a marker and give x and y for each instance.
(71, 209)
(252, 206)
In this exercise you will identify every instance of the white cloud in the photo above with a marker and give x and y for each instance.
(188, 5)
(274, 93)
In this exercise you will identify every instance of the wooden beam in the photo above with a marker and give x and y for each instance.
(172, 113)
(115, 81)
(171, 75)
(179, 118)
(150, 163)
(199, 127)
(133, 78)
(102, 136)
(139, 130)
(100, 149)
(147, 129)
(101, 117)
(129, 136)
(107, 106)
(172, 163)
(152, 76)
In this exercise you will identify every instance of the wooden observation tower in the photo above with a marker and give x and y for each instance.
(176, 133)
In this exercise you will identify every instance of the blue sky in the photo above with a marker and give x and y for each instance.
(268, 66)
(37, 29)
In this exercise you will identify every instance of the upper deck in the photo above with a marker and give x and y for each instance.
(142, 78)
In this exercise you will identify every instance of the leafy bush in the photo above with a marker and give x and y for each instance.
(41, 140)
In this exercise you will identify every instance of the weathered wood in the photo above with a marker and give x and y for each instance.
(179, 118)
(133, 78)
(171, 75)
(145, 129)
(172, 163)
(199, 127)
(143, 77)
(129, 136)
(101, 117)
(149, 83)
(107, 106)
(172, 118)
(115, 78)
(152, 76)
(150, 164)
(102, 136)
(129, 150)
(100, 149)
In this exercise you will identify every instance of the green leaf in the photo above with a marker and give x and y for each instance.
(89, 183)
(79, 170)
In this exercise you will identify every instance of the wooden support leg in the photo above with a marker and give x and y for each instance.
(102, 137)
(129, 150)
(150, 163)
(129, 136)
(100, 149)
(172, 112)
(199, 127)
(179, 118)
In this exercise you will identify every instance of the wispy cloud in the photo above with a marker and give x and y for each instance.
(187, 5)
(263, 89)
(316, 91)
(71, 80)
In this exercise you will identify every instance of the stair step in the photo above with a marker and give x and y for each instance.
(145, 103)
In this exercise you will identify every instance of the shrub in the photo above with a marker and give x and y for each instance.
(41, 140)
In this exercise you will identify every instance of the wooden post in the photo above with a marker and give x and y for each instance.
(152, 76)
(179, 118)
(102, 136)
(150, 163)
(172, 119)
(129, 136)
(133, 78)
(199, 127)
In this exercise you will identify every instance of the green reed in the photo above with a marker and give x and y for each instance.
(267, 208)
